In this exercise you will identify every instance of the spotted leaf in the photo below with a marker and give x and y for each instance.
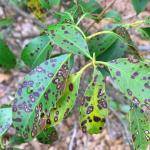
(133, 78)
(66, 102)
(140, 128)
(68, 38)
(101, 43)
(38, 94)
(5, 119)
(93, 109)
(48, 136)
(37, 51)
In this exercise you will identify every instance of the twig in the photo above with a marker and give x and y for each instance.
(73, 137)
(123, 125)
(22, 13)
(101, 14)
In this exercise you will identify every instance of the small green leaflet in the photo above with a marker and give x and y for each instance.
(37, 51)
(139, 5)
(133, 79)
(93, 109)
(7, 58)
(68, 38)
(140, 128)
(37, 94)
(66, 102)
(6, 22)
(5, 119)
(48, 136)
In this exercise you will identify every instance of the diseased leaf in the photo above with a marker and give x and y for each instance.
(48, 136)
(93, 109)
(116, 50)
(38, 93)
(68, 38)
(5, 119)
(7, 58)
(36, 51)
(140, 128)
(132, 49)
(133, 78)
(101, 43)
(66, 102)
(139, 5)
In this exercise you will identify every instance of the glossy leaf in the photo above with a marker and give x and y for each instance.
(140, 128)
(5, 119)
(36, 51)
(48, 136)
(7, 58)
(112, 14)
(116, 50)
(133, 79)
(93, 109)
(101, 43)
(38, 93)
(139, 5)
(68, 38)
(66, 102)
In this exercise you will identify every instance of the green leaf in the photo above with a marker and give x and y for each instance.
(114, 15)
(91, 7)
(7, 58)
(48, 136)
(132, 77)
(16, 140)
(93, 109)
(140, 128)
(101, 43)
(36, 51)
(66, 102)
(6, 22)
(145, 31)
(49, 3)
(139, 5)
(5, 119)
(147, 20)
(68, 38)
(116, 50)
(37, 94)
(65, 17)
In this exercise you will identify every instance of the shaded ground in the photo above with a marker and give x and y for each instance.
(113, 136)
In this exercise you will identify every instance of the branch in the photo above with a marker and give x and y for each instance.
(73, 137)
(101, 14)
